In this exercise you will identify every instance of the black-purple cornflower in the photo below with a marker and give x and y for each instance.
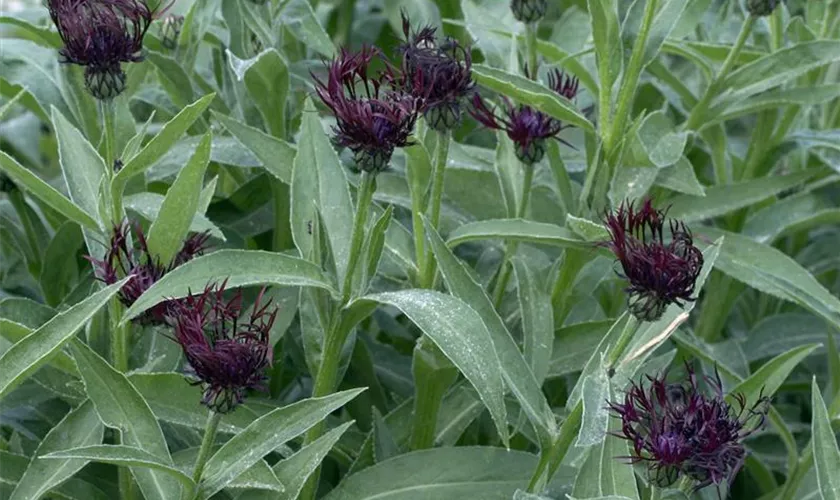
(677, 430)
(371, 121)
(128, 255)
(438, 73)
(524, 125)
(660, 274)
(226, 355)
(101, 35)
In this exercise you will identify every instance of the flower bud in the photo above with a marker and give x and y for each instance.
(444, 116)
(760, 8)
(171, 31)
(528, 11)
(105, 84)
(531, 152)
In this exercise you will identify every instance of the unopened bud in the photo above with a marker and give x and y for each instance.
(528, 11)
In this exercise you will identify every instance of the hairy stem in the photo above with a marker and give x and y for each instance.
(510, 248)
(441, 154)
(698, 112)
(623, 341)
(106, 108)
(433, 375)
(531, 50)
(367, 185)
(207, 442)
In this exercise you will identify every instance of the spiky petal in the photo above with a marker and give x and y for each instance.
(101, 35)
(128, 255)
(524, 125)
(371, 123)
(226, 356)
(675, 429)
(659, 273)
(436, 72)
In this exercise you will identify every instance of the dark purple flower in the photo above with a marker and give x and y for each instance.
(226, 355)
(439, 74)
(660, 274)
(370, 120)
(677, 430)
(528, 11)
(124, 258)
(101, 35)
(524, 125)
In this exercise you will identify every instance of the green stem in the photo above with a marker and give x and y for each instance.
(623, 341)
(698, 112)
(631, 79)
(125, 484)
(441, 155)
(510, 248)
(433, 375)
(573, 261)
(367, 186)
(207, 443)
(106, 108)
(555, 455)
(325, 383)
(531, 50)
(120, 338)
(282, 236)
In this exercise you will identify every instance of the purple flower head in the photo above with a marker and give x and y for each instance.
(438, 73)
(660, 274)
(524, 125)
(126, 259)
(101, 35)
(677, 430)
(370, 120)
(225, 354)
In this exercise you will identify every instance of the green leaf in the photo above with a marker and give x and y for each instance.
(160, 144)
(374, 245)
(461, 335)
(9, 104)
(45, 35)
(174, 400)
(779, 67)
(663, 24)
(295, 470)
(661, 144)
(125, 456)
(797, 96)
(606, 35)
(771, 271)
(120, 406)
(239, 268)
(441, 474)
(168, 231)
(46, 193)
(722, 199)
(602, 474)
(80, 427)
(81, 165)
(574, 345)
(148, 206)
(586, 229)
(264, 436)
(26, 356)
(172, 78)
(515, 370)
(826, 451)
(537, 319)
(315, 151)
(60, 270)
(266, 77)
(276, 155)
(595, 391)
(767, 379)
(514, 230)
(531, 93)
(680, 177)
(301, 21)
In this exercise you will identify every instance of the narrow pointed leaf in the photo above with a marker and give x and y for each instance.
(826, 451)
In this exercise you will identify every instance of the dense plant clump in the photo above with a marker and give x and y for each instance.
(438, 249)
